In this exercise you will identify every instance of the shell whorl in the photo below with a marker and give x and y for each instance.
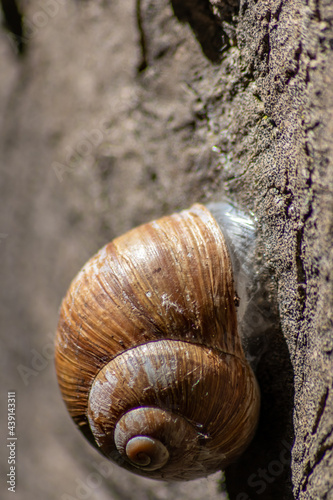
(133, 437)
(185, 381)
(153, 314)
(158, 435)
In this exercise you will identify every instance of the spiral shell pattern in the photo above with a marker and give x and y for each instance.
(148, 358)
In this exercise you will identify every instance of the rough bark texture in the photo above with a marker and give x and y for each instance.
(118, 113)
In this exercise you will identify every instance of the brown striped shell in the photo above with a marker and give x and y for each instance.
(148, 358)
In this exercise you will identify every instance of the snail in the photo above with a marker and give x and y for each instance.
(148, 355)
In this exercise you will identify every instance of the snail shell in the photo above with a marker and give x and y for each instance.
(148, 356)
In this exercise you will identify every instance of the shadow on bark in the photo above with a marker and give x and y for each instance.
(13, 21)
(263, 472)
(206, 24)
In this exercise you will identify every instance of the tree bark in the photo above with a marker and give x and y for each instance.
(118, 113)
